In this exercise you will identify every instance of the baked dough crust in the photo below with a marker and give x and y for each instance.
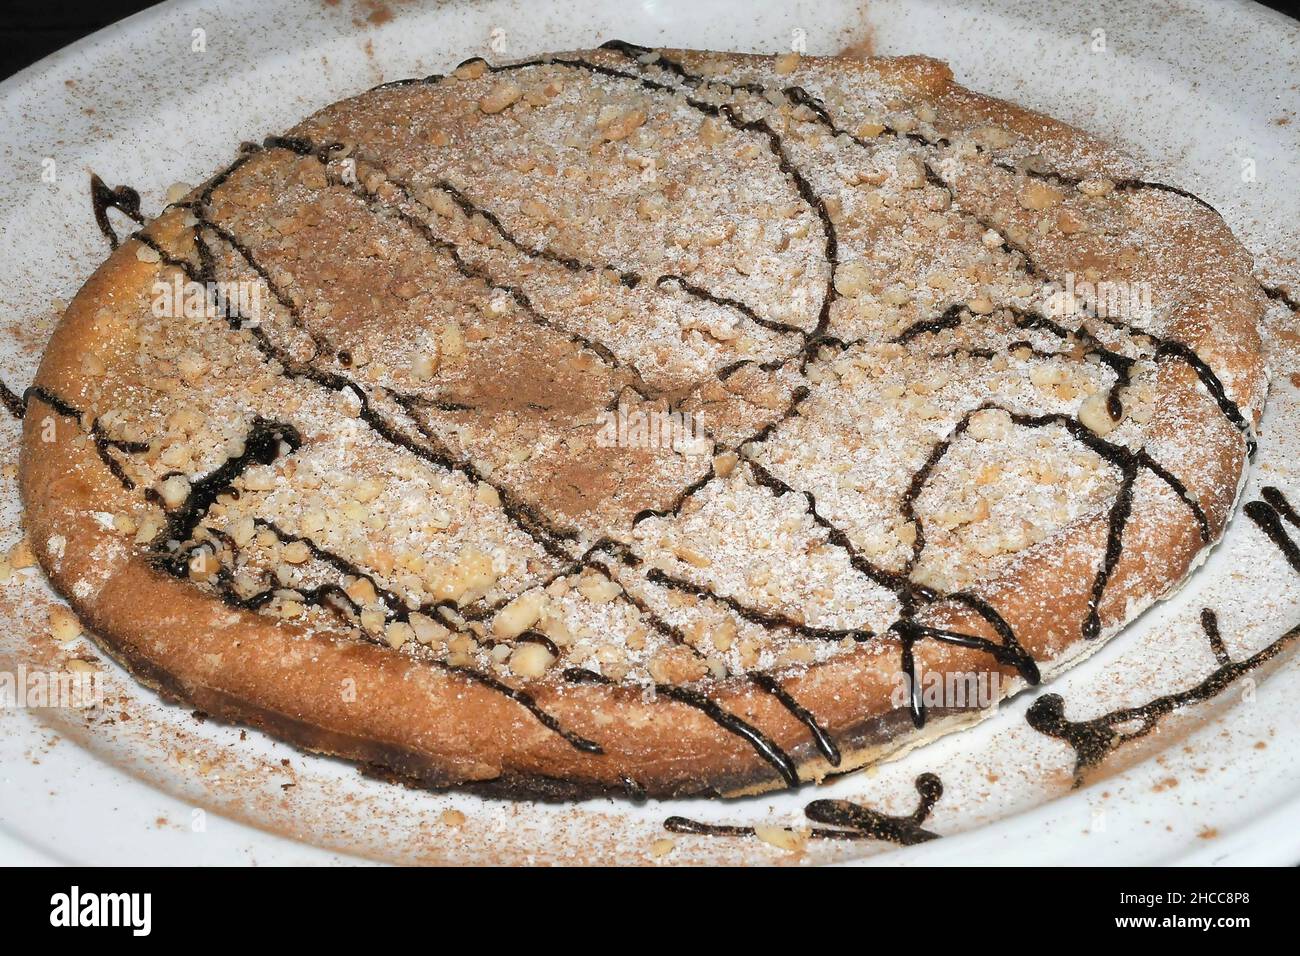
(439, 727)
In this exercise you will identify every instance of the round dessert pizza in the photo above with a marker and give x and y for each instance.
(650, 422)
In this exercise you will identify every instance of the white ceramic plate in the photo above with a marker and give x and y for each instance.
(1204, 89)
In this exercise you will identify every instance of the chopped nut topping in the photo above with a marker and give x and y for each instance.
(519, 615)
(1038, 196)
(1095, 415)
(624, 125)
(502, 95)
(785, 63)
(147, 253)
(64, 626)
(471, 70)
(783, 838)
(174, 491)
(598, 589)
(1094, 187)
(295, 552)
(530, 660)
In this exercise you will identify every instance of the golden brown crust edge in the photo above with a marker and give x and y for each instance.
(438, 729)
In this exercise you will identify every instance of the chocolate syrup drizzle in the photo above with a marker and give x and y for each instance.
(185, 520)
(627, 277)
(13, 404)
(525, 517)
(100, 439)
(952, 317)
(1121, 185)
(1095, 740)
(124, 199)
(1268, 516)
(844, 820)
(729, 722)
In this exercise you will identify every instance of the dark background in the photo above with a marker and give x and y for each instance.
(30, 29)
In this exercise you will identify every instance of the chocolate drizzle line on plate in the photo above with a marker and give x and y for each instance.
(1094, 740)
(124, 199)
(1278, 294)
(13, 403)
(913, 597)
(1268, 516)
(843, 820)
